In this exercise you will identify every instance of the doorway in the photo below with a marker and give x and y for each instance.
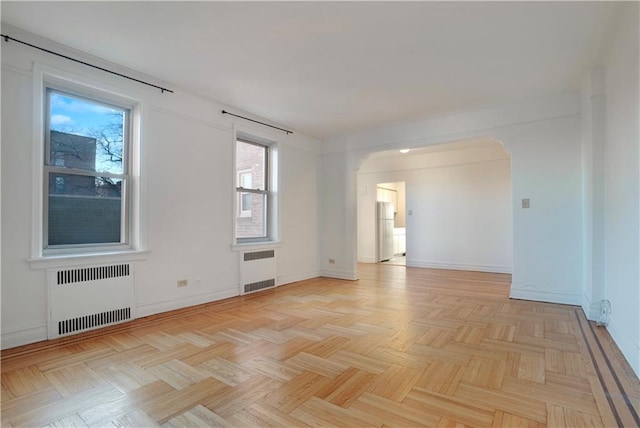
(456, 212)
(392, 246)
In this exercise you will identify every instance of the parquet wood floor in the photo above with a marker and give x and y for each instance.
(400, 347)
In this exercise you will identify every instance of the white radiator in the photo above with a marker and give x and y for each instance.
(257, 270)
(87, 298)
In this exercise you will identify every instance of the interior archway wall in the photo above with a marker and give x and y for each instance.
(458, 197)
(544, 141)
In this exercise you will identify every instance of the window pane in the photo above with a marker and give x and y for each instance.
(245, 180)
(85, 134)
(253, 224)
(250, 165)
(84, 209)
(245, 203)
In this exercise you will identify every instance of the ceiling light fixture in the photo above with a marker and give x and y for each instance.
(404, 150)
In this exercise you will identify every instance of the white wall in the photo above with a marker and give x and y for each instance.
(622, 187)
(460, 202)
(187, 196)
(543, 138)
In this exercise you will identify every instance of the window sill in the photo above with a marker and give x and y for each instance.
(69, 260)
(253, 246)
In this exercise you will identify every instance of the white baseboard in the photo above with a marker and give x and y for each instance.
(629, 348)
(550, 296)
(171, 304)
(24, 336)
(288, 279)
(458, 266)
(367, 260)
(340, 274)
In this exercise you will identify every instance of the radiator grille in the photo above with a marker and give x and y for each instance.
(259, 285)
(71, 276)
(257, 255)
(95, 320)
(83, 298)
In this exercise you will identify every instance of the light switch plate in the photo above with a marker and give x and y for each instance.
(525, 203)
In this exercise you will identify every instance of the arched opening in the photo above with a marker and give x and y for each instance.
(456, 211)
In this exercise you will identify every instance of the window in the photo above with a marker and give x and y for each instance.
(253, 194)
(244, 180)
(86, 172)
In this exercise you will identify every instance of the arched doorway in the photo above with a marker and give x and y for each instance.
(458, 205)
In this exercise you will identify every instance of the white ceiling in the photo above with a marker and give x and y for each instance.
(332, 68)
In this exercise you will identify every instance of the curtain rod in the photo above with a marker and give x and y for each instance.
(162, 90)
(261, 123)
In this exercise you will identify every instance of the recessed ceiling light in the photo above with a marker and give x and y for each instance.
(404, 150)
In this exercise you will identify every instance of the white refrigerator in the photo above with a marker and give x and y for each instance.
(385, 212)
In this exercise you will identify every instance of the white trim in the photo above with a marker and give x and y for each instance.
(459, 266)
(86, 259)
(288, 279)
(629, 349)
(24, 336)
(550, 296)
(367, 259)
(173, 303)
(340, 274)
(37, 157)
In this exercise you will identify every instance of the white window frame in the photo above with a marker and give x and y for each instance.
(80, 85)
(254, 136)
(49, 166)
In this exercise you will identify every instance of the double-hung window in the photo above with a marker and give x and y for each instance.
(253, 193)
(86, 172)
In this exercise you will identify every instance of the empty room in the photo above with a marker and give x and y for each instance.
(387, 214)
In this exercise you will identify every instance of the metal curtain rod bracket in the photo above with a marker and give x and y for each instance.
(162, 90)
(261, 123)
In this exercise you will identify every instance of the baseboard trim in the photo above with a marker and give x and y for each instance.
(340, 274)
(367, 260)
(288, 279)
(549, 296)
(171, 304)
(459, 266)
(24, 336)
(629, 349)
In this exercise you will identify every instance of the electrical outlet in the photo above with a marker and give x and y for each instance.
(525, 203)
(183, 283)
(332, 261)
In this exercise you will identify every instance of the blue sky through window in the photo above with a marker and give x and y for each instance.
(90, 119)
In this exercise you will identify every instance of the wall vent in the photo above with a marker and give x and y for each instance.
(258, 270)
(255, 286)
(71, 276)
(88, 322)
(86, 298)
(257, 255)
